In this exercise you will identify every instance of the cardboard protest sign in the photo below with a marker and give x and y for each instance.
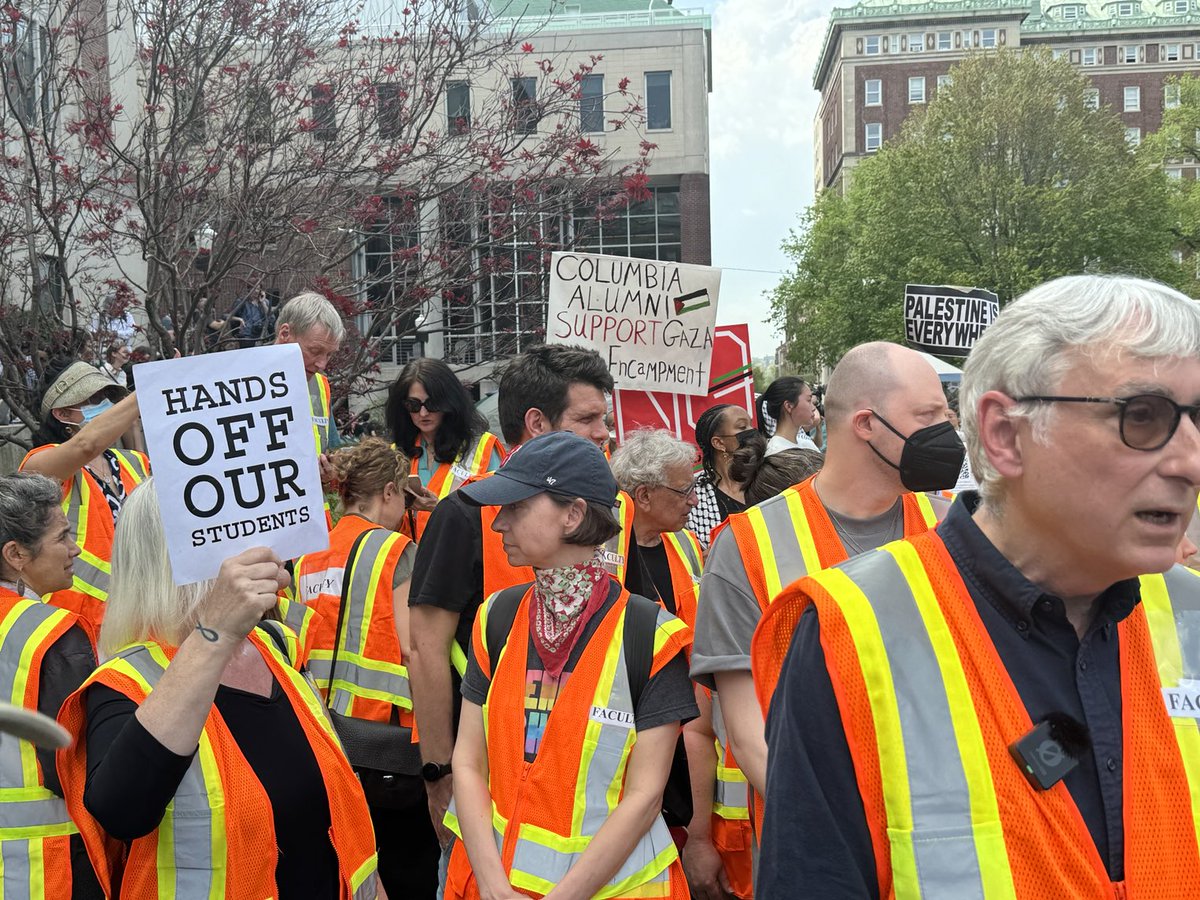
(653, 321)
(947, 320)
(732, 382)
(231, 439)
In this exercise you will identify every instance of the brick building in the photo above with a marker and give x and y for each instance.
(881, 58)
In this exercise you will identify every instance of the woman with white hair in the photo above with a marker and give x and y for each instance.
(201, 753)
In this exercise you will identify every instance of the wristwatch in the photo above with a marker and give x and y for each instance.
(431, 771)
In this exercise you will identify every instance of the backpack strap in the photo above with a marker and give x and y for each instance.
(641, 623)
(500, 617)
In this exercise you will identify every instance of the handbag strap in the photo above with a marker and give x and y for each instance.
(346, 577)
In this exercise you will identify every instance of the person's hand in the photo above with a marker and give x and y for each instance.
(424, 501)
(246, 587)
(704, 870)
(438, 793)
(326, 468)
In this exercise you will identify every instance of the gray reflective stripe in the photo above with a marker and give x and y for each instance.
(89, 574)
(730, 793)
(785, 545)
(294, 615)
(943, 831)
(13, 642)
(354, 680)
(683, 539)
(14, 857)
(465, 461)
(1183, 590)
(46, 812)
(132, 461)
(368, 890)
(354, 633)
(190, 812)
(541, 862)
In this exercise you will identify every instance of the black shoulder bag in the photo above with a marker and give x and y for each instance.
(382, 746)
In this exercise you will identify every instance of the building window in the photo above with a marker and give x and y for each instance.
(1057, 53)
(646, 230)
(916, 42)
(1071, 12)
(873, 135)
(1182, 7)
(945, 40)
(458, 106)
(1170, 53)
(1128, 53)
(1091, 56)
(324, 112)
(871, 45)
(51, 284)
(1170, 96)
(1091, 98)
(1175, 173)
(1133, 136)
(389, 110)
(1125, 10)
(591, 103)
(874, 92)
(916, 89)
(987, 38)
(943, 81)
(967, 43)
(1133, 99)
(525, 106)
(386, 277)
(658, 100)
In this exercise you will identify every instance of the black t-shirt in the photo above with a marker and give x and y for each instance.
(448, 571)
(658, 567)
(667, 696)
(132, 777)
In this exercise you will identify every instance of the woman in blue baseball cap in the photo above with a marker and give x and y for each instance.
(573, 699)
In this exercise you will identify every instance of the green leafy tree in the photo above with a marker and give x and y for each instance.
(1176, 145)
(1005, 180)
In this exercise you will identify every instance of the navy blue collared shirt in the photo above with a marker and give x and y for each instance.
(815, 837)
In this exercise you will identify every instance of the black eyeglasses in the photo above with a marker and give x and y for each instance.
(686, 493)
(413, 405)
(1147, 421)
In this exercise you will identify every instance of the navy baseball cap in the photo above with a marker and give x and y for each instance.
(559, 462)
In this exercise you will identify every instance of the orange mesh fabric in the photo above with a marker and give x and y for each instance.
(732, 839)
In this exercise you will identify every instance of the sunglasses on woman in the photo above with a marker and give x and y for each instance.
(1146, 421)
(413, 405)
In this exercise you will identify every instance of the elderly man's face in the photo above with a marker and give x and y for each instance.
(317, 345)
(1117, 511)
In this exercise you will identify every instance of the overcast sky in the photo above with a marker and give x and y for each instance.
(760, 132)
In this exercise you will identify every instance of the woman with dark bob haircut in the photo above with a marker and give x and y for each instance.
(433, 421)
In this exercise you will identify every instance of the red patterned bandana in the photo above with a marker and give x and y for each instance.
(564, 598)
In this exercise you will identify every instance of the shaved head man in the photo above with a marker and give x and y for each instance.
(888, 435)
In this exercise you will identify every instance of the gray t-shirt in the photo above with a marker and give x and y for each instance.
(728, 611)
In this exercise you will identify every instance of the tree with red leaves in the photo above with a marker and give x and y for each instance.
(164, 158)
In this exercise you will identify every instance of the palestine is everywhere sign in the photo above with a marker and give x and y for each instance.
(946, 320)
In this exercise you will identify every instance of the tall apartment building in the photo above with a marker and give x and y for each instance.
(881, 58)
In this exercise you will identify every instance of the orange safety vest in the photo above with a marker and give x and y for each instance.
(217, 836)
(451, 476)
(785, 538)
(91, 519)
(35, 826)
(322, 410)
(929, 713)
(546, 812)
(686, 562)
(371, 677)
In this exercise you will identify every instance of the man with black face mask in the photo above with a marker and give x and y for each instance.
(888, 435)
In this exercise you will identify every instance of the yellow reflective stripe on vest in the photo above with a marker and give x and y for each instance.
(90, 572)
(616, 551)
(687, 550)
(191, 845)
(731, 790)
(926, 508)
(942, 813)
(458, 658)
(28, 810)
(318, 398)
(775, 521)
(542, 858)
(1176, 661)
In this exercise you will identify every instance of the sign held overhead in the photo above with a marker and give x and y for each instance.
(653, 321)
(234, 459)
(946, 320)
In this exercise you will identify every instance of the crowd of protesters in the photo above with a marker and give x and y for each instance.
(783, 660)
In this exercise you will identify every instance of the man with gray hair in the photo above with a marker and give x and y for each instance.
(311, 321)
(1008, 706)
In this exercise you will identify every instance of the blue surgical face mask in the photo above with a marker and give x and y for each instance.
(95, 409)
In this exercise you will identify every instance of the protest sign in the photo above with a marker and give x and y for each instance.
(732, 382)
(652, 321)
(231, 439)
(947, 320)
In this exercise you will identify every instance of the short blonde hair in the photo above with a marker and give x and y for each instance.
(144, 603)
(307, 310)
